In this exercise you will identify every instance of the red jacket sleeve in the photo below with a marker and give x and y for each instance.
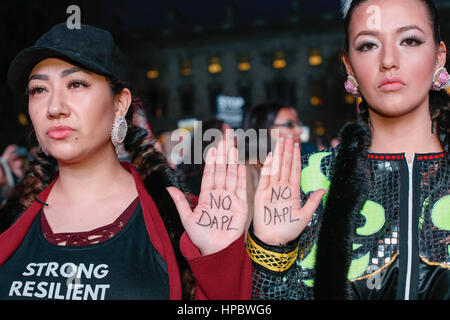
(224, 275)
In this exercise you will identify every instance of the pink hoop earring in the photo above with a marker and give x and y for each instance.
(440, 79)
(118, 132)
(351, 86)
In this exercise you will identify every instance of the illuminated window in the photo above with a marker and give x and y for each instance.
(319, 128)
(158, 99)
(243, 63)
(447, 88)
(22, 118)
(316, 101)
(153, 73)
(214, 66)
(315, 58)
(317, 87)
(279, 60)
(349, 99)
(186, 67)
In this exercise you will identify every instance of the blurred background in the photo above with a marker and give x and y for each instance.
(203, 59)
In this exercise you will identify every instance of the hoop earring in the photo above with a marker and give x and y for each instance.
(440, 79)
(118, 132)
(351, 86)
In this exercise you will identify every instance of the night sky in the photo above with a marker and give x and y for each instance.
(149, 14)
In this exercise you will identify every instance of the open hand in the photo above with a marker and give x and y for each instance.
(279, 218)
(220, 216)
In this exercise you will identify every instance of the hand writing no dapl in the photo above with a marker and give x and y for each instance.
(279, 217)
(221, 212)
(277, 213)
(205, 219)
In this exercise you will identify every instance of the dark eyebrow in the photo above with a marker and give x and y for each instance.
(406, 28)
(66, 72)
(38, 76)
(399, 30)
(367, 33)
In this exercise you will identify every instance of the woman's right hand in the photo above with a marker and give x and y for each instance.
(278, 216)
(220, 216)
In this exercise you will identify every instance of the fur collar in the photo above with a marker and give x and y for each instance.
(334, 245)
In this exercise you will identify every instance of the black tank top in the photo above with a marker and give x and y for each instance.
(125, 267)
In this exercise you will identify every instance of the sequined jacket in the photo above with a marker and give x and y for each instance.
(400, 239)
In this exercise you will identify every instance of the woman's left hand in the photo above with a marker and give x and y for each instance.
(220, 216)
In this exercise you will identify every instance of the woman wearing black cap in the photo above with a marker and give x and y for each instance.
(96, 228)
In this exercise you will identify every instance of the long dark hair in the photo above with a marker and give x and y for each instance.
(150, 164)
(349, 184)
(261, 116)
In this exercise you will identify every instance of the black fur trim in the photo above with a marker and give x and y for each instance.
(348, 185)
(156, 184)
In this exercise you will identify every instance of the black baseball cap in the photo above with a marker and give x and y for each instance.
(89, 47)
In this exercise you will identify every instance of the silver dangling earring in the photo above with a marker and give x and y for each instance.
(118, 133)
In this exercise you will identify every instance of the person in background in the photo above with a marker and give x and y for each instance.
(280, 122)
(165, 146)
(334, 141)
(12, 163)
(192, 171)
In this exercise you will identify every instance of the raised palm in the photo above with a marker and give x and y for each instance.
(279, 218)
(220, 216)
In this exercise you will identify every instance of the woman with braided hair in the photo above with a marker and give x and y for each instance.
(382, 226)
(81, 224)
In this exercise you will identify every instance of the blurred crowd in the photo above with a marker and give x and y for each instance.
(12, 168)
(274, 117)
(279, 121)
